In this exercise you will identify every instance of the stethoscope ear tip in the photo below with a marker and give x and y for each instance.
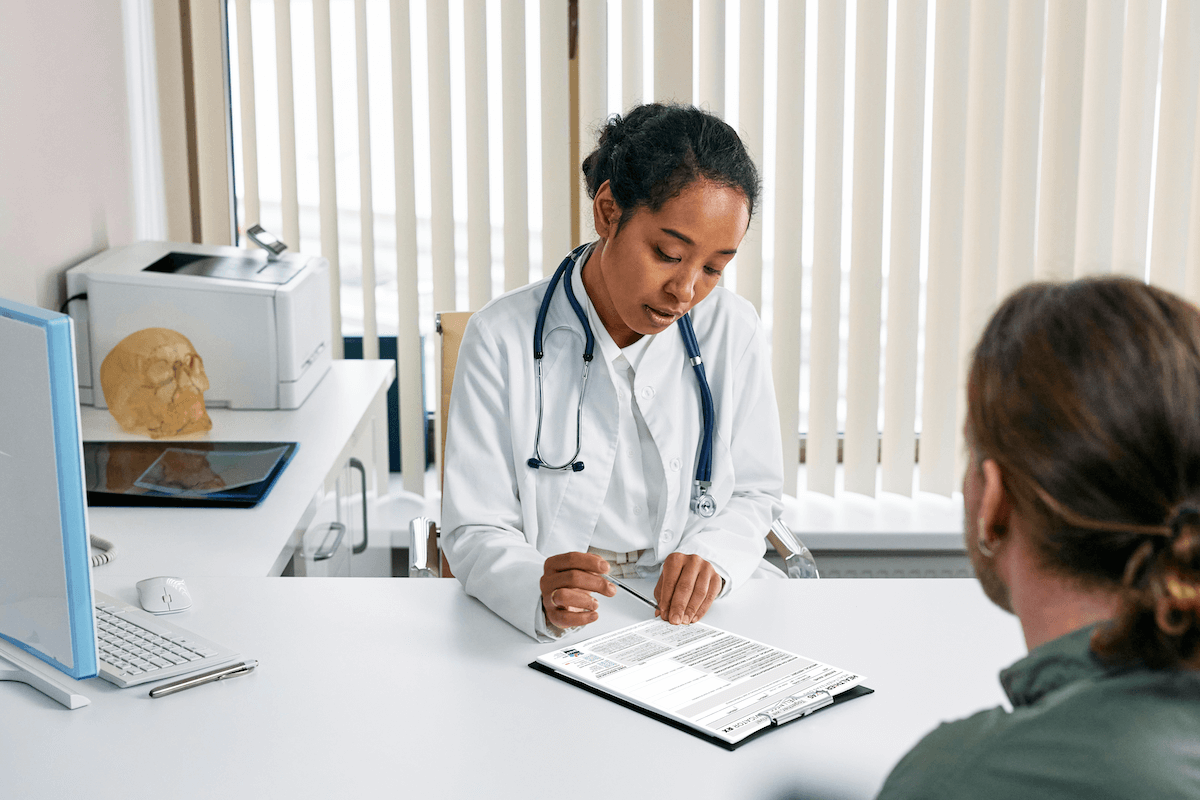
(533, 462)
(577, 466)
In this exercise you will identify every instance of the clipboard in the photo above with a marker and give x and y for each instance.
(723, 687)
(776, 722)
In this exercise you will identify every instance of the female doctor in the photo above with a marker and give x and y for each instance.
(576, 442)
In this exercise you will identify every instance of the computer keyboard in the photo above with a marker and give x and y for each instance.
(137, 647)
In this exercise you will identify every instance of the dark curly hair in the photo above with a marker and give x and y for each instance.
(1086, 394)
(657, 150)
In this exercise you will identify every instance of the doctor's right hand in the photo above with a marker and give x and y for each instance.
(567, 583)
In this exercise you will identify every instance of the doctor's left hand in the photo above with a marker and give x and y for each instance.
(686, 589)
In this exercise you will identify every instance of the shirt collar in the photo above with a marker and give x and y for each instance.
(1051, 666)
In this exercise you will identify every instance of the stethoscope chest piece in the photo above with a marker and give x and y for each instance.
(703, 502)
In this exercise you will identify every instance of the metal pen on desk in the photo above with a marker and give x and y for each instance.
(633, 592)
(218, 674)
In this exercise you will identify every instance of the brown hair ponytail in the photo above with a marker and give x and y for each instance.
(1158, 620)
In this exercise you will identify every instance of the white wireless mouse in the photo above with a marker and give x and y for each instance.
(164, 595)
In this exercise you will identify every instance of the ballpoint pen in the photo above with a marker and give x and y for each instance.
(633, 592)
(218, 674)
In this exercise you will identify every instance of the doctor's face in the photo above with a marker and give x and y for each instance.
(661, 263)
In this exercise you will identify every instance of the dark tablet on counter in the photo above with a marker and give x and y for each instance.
(183, 474)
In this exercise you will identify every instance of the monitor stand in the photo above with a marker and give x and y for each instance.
(17, 665)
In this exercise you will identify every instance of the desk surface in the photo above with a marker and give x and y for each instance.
(257, 541)
(410, 688)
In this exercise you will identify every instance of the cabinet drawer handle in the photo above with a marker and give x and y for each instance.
(326, 550)
(362, 472)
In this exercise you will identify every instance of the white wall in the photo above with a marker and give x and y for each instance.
(65, 186)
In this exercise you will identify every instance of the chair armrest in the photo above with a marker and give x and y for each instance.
(424, 560)
(796, 556)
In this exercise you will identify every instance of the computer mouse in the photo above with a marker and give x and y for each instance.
(164, 595)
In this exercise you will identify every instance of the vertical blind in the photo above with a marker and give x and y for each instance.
(921, 158)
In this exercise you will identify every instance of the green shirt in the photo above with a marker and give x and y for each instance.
(1078, 729)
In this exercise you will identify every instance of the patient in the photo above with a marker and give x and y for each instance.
(1083, 519)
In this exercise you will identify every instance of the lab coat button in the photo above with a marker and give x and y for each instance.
(676, 464)
(647, 392)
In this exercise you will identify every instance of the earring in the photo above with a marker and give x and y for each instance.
(984, 547)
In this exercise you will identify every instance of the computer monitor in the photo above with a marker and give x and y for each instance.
(46, 605)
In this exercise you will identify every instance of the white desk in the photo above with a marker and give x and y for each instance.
(346, 414)
(408, 688)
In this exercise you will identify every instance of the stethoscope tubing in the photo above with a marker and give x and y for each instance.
(537, 462)
(704, 461)
(562, 273)
(564, 269)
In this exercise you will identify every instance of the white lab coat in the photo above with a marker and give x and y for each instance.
(502, 518)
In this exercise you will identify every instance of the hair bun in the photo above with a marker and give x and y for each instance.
(614, 131)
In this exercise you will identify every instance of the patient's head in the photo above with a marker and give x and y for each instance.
(1086, 395)
(154, 384)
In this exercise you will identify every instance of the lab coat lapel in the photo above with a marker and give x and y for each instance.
(572, 500)
(672, 416)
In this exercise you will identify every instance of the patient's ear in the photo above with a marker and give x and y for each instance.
(995, 505)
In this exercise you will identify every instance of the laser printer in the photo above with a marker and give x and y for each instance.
(259, 320)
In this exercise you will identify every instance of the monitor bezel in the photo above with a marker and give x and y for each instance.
(58, 330)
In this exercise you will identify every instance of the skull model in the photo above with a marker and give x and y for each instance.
(154, 384)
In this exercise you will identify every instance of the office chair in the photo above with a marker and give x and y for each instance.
(425, 559)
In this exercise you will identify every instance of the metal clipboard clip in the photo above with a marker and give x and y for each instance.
(800, 705)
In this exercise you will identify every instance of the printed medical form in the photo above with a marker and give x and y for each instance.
(725, 686)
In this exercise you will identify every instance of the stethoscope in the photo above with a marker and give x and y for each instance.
(702, 502)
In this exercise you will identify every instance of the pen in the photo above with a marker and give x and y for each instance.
(218, 674)
(636, 594)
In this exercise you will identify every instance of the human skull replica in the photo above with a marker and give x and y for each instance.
(154, 384)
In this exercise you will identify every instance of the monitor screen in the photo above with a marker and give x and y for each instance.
(46, 604)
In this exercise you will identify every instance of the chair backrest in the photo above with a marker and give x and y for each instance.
(450, 326)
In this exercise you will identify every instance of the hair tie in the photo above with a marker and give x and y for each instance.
(1182, 516)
